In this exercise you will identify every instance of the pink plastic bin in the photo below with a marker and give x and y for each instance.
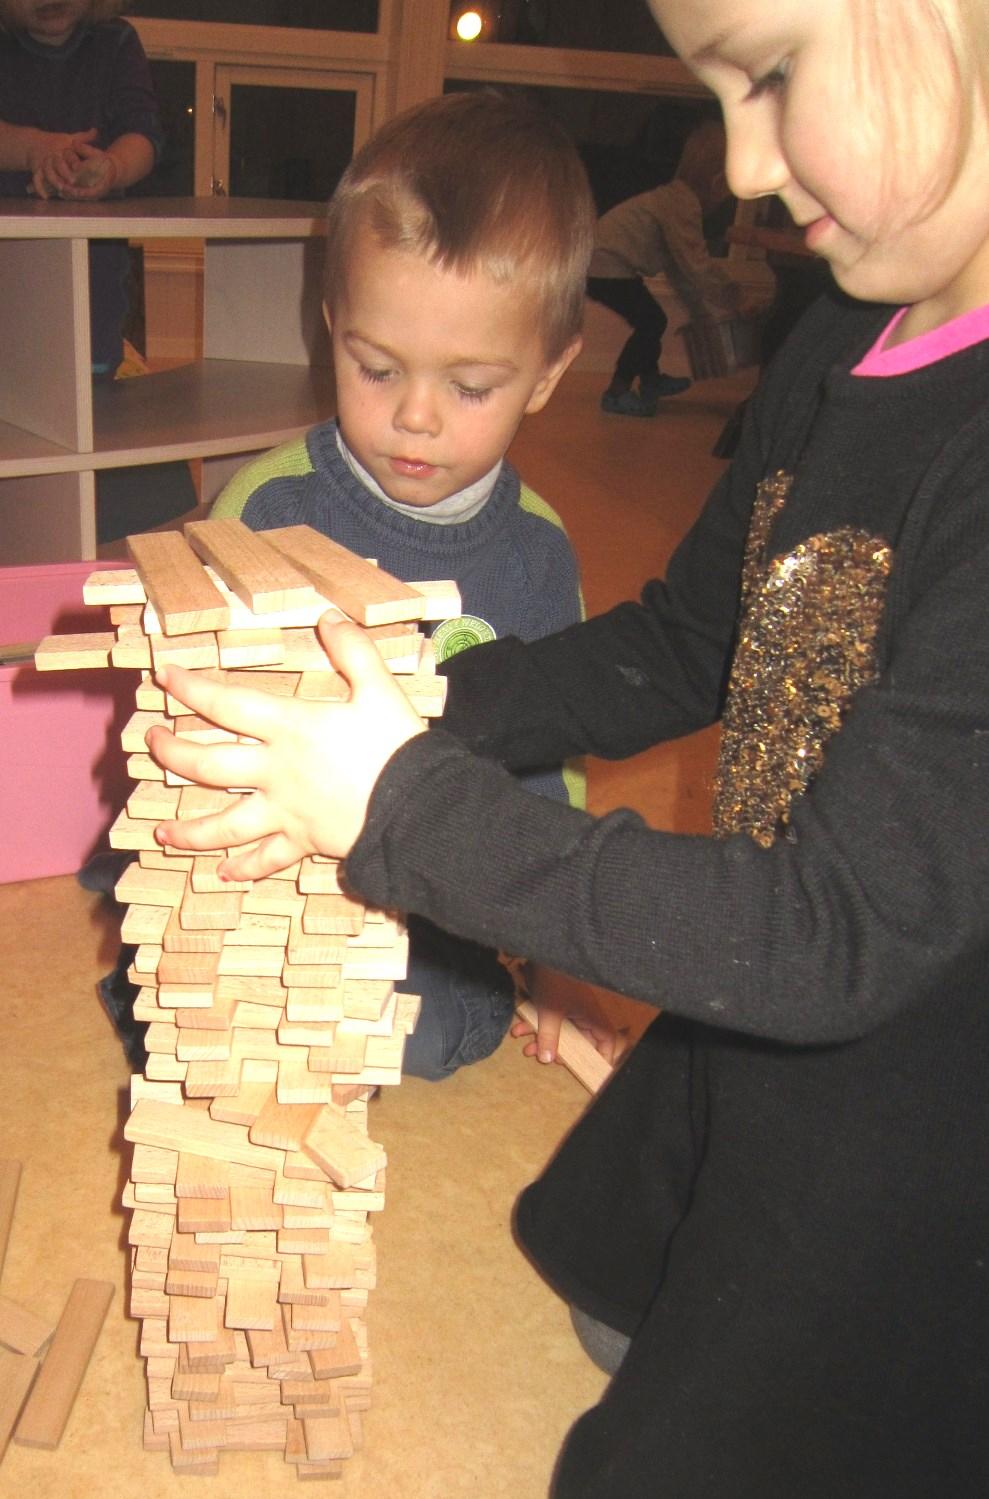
(62, 770)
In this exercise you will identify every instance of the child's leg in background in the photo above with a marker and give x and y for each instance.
(468, 999)
(639, 358)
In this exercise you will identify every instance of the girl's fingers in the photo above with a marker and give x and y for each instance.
(248, 819)
(243, 710)
(271, 855)
(353, 655)
(223, 765)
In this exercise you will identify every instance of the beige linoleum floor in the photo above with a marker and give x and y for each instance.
(476, 1373)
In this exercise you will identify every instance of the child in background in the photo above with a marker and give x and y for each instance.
(78, 120)
(780, 1203)
(662, 231)
(457, 250)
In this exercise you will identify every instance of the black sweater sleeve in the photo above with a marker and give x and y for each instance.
(875, 899)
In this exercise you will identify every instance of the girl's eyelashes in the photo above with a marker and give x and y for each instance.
(773, 81)
(373, 376)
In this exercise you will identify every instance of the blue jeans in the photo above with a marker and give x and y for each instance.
(467, 1001)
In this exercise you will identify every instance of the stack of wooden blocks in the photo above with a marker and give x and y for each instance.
(271, 1009)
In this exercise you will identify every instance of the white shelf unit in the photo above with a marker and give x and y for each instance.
(264, 376)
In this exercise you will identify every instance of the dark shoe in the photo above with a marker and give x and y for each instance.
(659, 387)
(117, 995)
(629, 403)
(605, 1346)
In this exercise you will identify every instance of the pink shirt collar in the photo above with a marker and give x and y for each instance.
(971, 328)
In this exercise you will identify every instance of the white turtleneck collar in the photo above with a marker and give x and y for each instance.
(454, 510)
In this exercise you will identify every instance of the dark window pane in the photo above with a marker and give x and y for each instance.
(628, 142)
(599, 25)
(318, 15)
(175, 85)
(289, 142)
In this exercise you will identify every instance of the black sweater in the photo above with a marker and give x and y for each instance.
(785, 1191)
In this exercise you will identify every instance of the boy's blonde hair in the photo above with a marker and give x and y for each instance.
(99, 10)
(475, 182)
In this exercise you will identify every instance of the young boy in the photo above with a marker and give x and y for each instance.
(457, 250)
(662, 231)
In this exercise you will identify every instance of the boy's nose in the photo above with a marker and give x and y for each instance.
(755, 164)
(417, 411)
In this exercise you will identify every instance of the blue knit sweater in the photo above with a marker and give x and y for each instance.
(512, 561)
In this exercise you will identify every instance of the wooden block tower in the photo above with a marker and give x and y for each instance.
(271, 1011)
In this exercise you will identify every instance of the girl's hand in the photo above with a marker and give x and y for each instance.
(311, 765)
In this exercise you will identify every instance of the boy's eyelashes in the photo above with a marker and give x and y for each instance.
(379, 376)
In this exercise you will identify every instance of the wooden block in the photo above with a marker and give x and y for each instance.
(74, 652)
(262, 578)
(214, 911)
(336, 1362)
(193, 1319)
(251, 1302)
(580, 1056)
(342, 1150)
(21, 1330)
(283, 1126)
(328, 1437)
(184, 598)
(154, 801)
(313, 1006)
(113, 586)
(367, 593)
(253, 1208)
(347, 1055)
(17, 1373)
(316, 684)
(10, 1176)
(194, 1132)
(130, 832)
(138, 886)
(154, 1166)
(239, 648)
(319, 877)
(132, 650)
(51, 1399)
(333, 914)
(196, 652)
(442, 599)
(365, 999)
(242, 1107)
(201, 1176)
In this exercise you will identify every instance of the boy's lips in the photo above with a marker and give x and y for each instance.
(412, 468)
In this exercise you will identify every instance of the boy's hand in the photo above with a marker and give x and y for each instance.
(312, 765)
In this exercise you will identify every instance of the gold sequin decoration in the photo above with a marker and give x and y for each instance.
(807, 644)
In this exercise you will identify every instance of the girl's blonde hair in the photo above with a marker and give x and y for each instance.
(902, 41)
(99, 10)
(475, 182)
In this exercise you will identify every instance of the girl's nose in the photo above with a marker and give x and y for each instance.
(755, 164)
(417, 410)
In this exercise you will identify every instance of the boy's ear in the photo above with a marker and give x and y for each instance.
(552, 375)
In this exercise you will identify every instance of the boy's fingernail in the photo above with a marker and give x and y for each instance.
(545, 1056)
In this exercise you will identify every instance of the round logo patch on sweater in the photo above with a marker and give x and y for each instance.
(456, 635)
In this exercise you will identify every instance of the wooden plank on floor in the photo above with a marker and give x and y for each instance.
(184, 597)
(54, 1391)
(17, 1372)
(10, 1176)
